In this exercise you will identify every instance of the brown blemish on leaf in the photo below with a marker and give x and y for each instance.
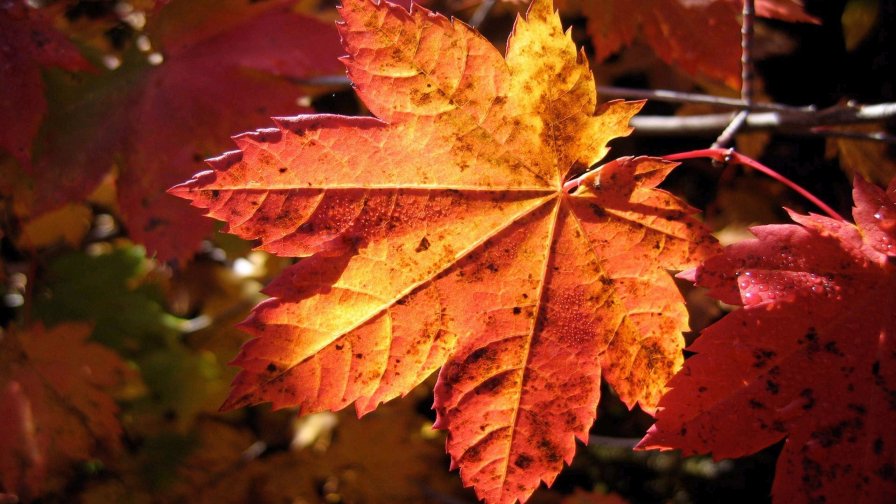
(523, 461)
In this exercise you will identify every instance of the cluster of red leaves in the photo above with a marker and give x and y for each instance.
(153, 120)
(811, 357)
(699, 37)
(28, 42)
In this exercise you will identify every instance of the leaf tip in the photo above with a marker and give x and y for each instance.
(689, 275)
(233, 402)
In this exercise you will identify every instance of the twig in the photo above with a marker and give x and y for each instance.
(729, 155)
(680, 97)
(803, 121)
(481, 13)
(774, 116)
(726, 138)
(746, 53)
(727, 135)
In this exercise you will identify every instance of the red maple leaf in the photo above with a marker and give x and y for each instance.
(28, 42)
(696, 36)
(785, 10)
(811, 357)
(441, 235)
(225, 67)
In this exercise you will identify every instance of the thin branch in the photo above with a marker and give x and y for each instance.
(766, 116)
(680, 97)
(746, 53)
(726, 138)
(800, 121)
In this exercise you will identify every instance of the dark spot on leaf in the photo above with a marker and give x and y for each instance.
(831, 347)
(878, 446)
(857, 409)
(271, 367)
(523, 461)
(772, 387)
(754, 404)
(154, 223)
(517, 310)
(423, 245)
(479, 354)
(810, 339)
(339, 346)
(834, 434)
(282, 169)
(492, 267)
(809, 396)
(812, 474)
(549, 452)
(761, 357)
(359, 356)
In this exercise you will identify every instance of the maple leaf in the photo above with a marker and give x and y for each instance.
(157, 122)
(440, 235)
(56, 408)
(785, 10)
(810, 358)
(28, 42)
(696, 36)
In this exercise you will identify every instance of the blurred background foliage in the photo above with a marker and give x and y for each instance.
(113, 354)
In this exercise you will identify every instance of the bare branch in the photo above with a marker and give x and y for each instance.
(765, 116)
(726, 138)
(794, 121)
(680, 97)
(746, 53)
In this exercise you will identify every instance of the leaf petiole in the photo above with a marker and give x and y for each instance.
(729, 155)
(591, 175)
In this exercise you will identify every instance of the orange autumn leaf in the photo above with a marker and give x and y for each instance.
(55, 406)
(439, 235)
